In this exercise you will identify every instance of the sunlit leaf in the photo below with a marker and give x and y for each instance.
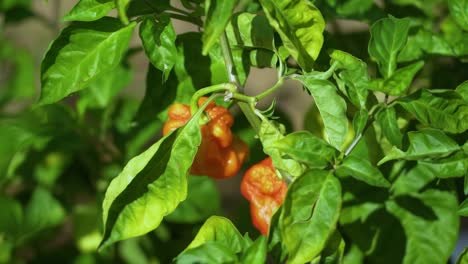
(399, 81)
(459, 11)
(89, 10)
(363, 170)
(218, 13)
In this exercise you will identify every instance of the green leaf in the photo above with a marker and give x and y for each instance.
(11, 217)
(309, 214)
(89, 10)
(388, 122)
(151, 185)
(388, 36)
(363, 170)
(6, 5)
(453, 166)
(427, 143)
(442, 109)
(257, 252)
(81, 52)
(353, 73)
(218, 229)
(463, 258)
(463, 209)
(399, 81)
(122, 6)
(430, 225)
(203, 200)
(211, 252)
(158, 38)
(462, 89)
(269, 134)
(218, 13)
(459, 11)
(304, 147)
(333, 251)
(332, 108)
(300, 26)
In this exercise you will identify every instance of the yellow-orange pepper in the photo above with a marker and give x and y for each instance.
(220, 154)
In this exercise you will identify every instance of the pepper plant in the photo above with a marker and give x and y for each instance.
(378, 173)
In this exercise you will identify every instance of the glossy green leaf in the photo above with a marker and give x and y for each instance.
(463, 209)
(122, 6)
(453, 166)
(309, 215)
(353, 73)
(427, 143)
(388, 36)
(463, 258)
(151, 185)
(462, 89)
(218, 13)
(442, 109)
(459, 11)
(82, 52)
(399, 82)
(430, 225)
(218, 229)
(89, 10)
(257, 252)
(211, 252)
(304, 147)
(203, 200)
(300, 26)
(388, 122)
(363, 170)
(332, 109)
(158, 38)
(269, 133)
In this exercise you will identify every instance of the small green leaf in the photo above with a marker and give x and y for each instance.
(388, 36)
(362, 170)
(463, 209)
(399, 81)
(151, 185)
(211, 252)
(81, 52)
(218, 229)
(459, 11)
(442, 109)
(300, 25)
(89, 10)
(218, 13)
(388, 122)
(309, 215)
(203, 200)
(122, 6)
(462, 89)
(257, 252)
(304, 147)
(332, 108)
(427, 143)
(463, 258)
(158, 38)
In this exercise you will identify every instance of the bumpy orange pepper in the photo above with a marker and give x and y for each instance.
(265, 192)
(220, 154)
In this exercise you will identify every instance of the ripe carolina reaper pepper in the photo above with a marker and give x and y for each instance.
(265, 192)
(220, 154)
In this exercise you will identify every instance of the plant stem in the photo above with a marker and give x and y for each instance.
(270, 90)
(185, 18)
(207, 90)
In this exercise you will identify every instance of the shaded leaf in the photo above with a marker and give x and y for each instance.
(211, 252)
(363, 170)
(218, 13)
(257, 252)
(463, 209)
(462, 89)
(89, 10)
(463, 258)
(388, 121)
(81, 52)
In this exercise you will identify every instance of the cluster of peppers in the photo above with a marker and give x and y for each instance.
(221, 154)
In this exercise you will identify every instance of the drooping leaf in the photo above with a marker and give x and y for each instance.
(399, 81)
(425, 143)
(211, 252)
(388, 121)
(151, 185)
(332, 109)
(430, 225)
(363, 170)
(81, 52)
(442, 109)
(203, 200)
(158, 38)
(459, 11)
(388, 36)
(218, 13)
(309, 214)
(89, 10)
(300, 26)
(303, 146)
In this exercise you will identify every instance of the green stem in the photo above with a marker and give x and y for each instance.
(207, 90)
(244, 98)
(270, 90)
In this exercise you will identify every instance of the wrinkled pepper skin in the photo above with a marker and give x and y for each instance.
(220, 154)
(265, 192)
